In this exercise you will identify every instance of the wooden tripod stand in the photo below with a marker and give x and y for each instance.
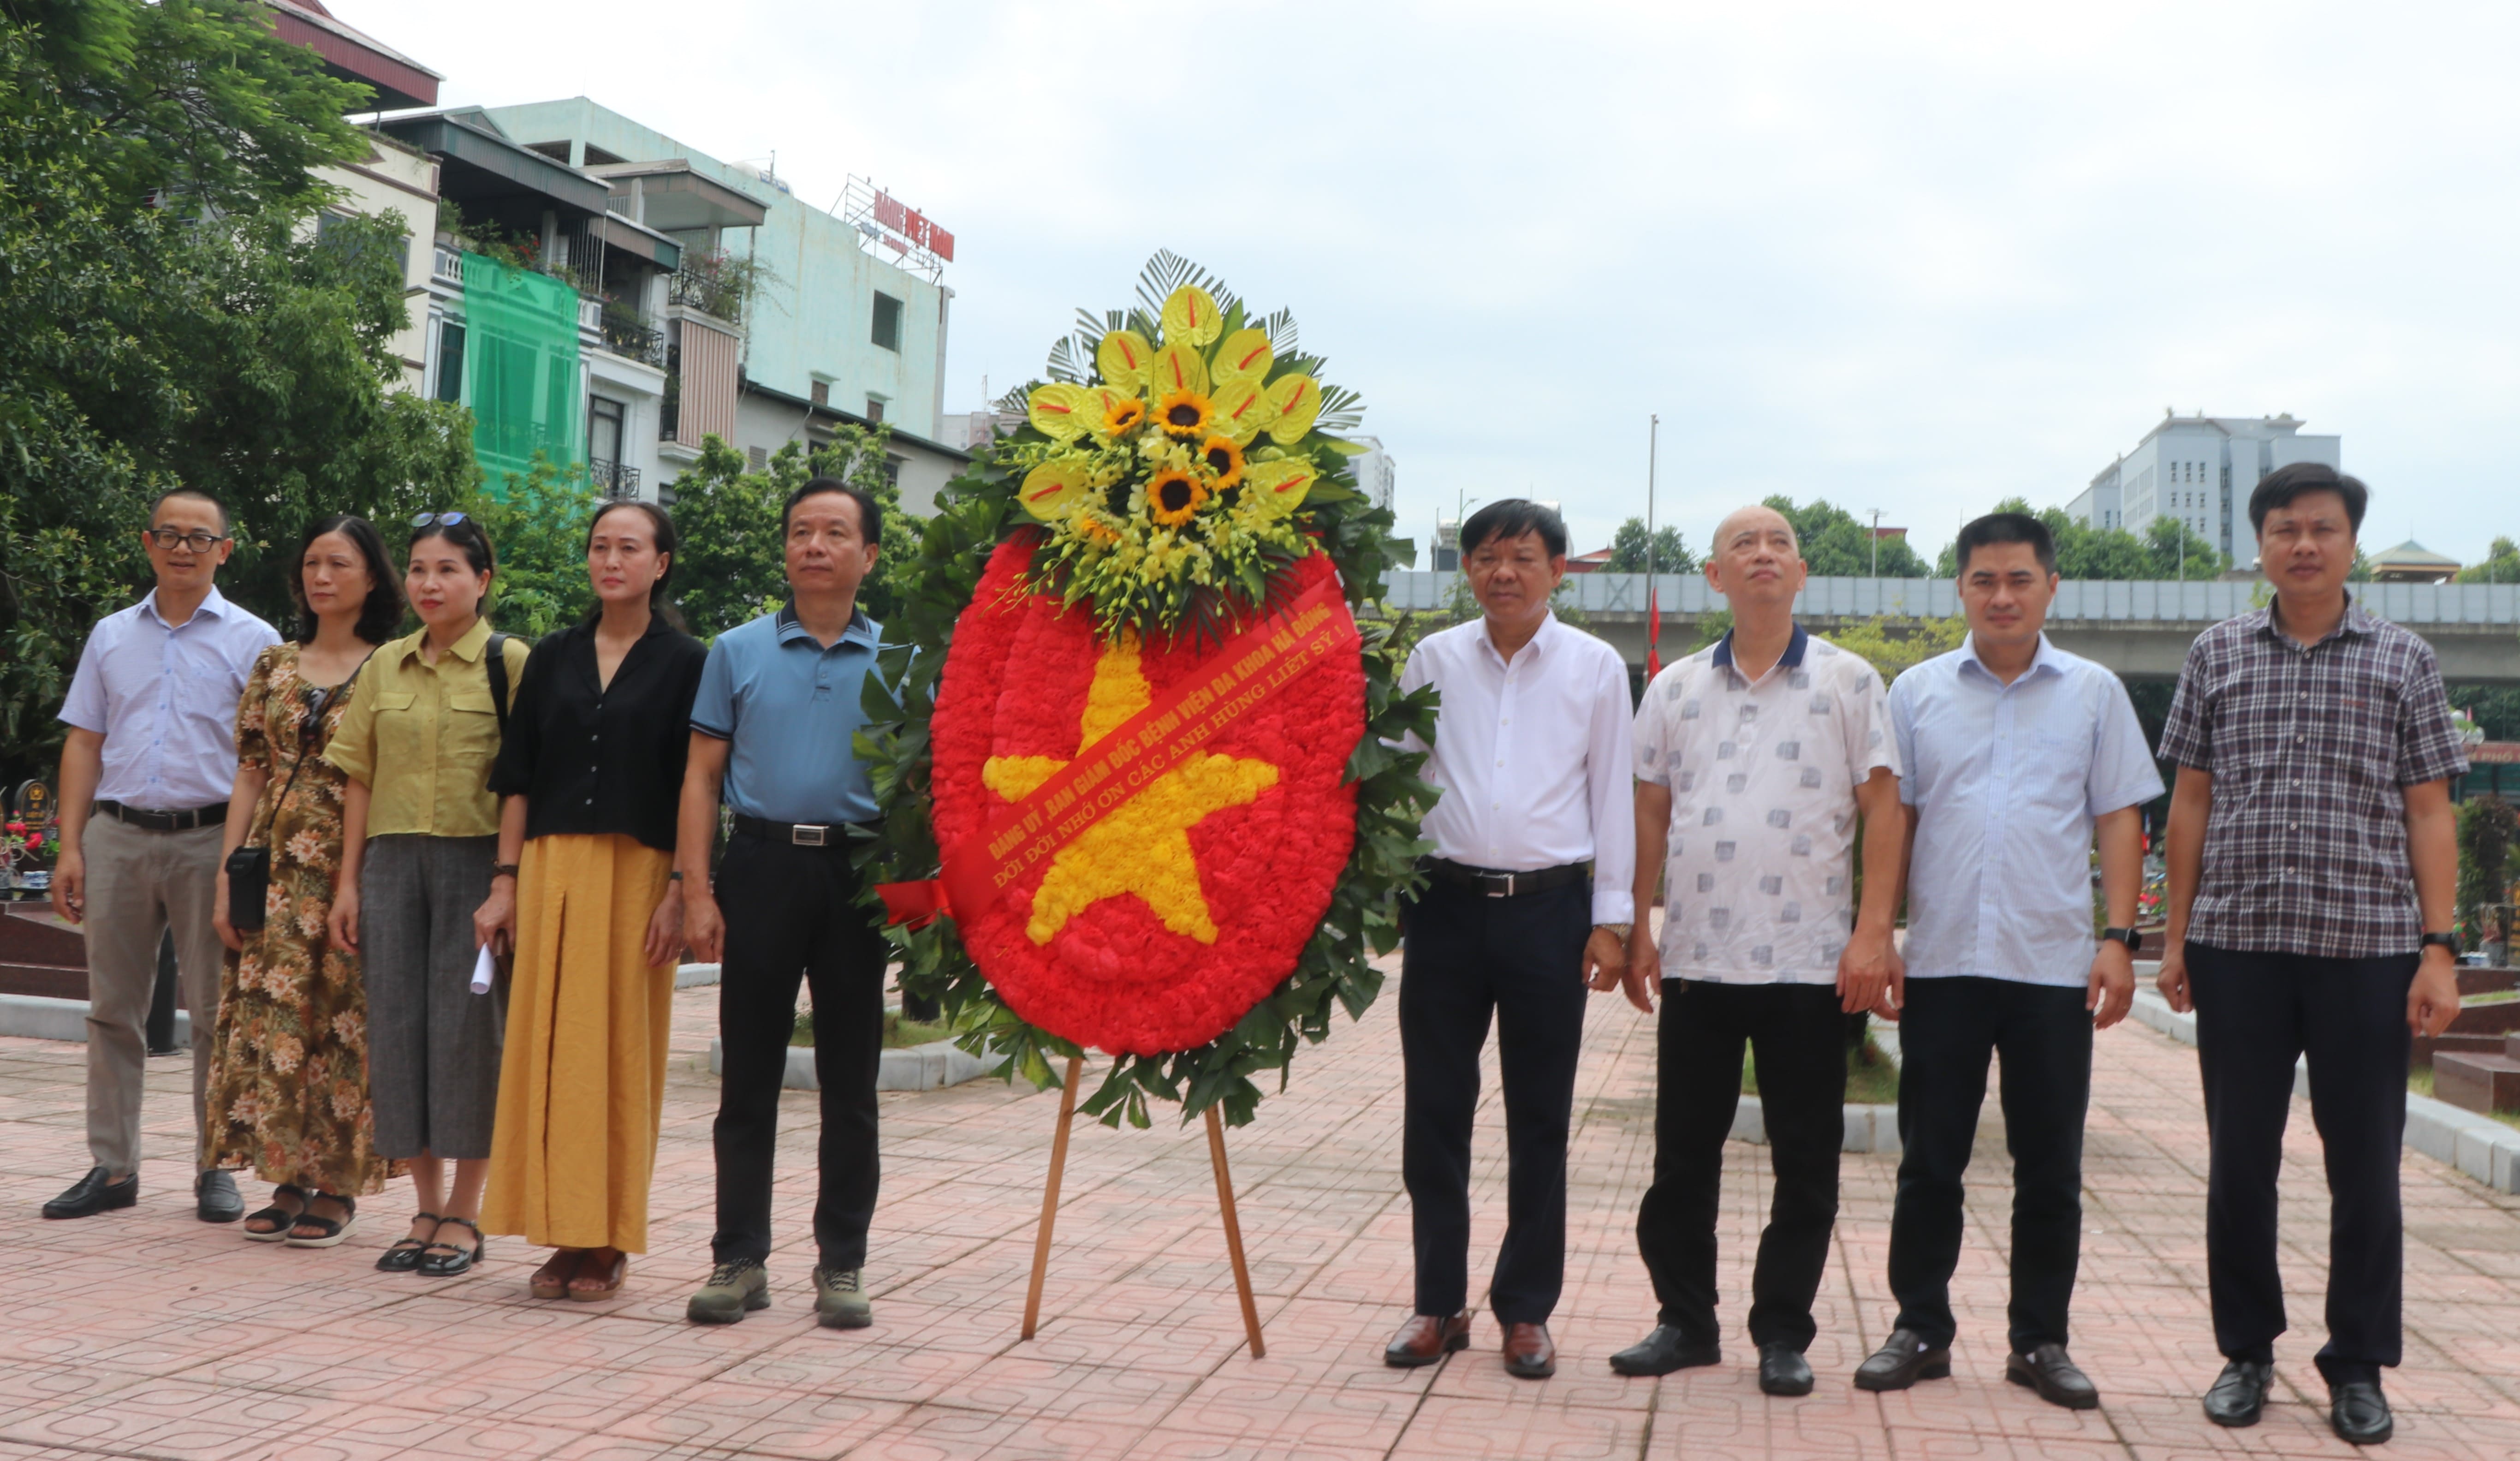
(1224, 1204)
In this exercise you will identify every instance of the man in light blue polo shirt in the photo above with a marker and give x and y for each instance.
(2019, 757)
(770, 735)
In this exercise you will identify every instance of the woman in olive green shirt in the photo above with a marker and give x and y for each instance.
(419, 848)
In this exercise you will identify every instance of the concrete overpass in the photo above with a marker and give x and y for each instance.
(2142, 629)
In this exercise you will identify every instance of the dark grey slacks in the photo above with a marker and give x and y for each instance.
(432, 1043)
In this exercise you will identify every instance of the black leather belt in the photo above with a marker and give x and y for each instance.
(165, 821)
(1498, 883)
(798, 833)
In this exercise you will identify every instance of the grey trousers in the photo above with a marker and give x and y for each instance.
(141, 884)
(432, 1043)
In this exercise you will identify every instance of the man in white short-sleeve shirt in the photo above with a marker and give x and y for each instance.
(1754, 760)
(2016, 754)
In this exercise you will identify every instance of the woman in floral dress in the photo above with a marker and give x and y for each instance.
(289, 1083)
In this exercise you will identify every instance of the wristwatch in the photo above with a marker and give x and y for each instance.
(1620, 930)
(503, 870)
(2446, 940)
(2128, 936)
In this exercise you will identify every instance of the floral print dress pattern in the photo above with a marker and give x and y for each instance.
(288, 1080)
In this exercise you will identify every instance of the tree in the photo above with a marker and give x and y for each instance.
(2178, 553)
(171, 318)
(1836, 546)
(1894, 646)
(1671, 553)
(2486, 827)
(2087, 552)
(733, 567)
(2501, 564)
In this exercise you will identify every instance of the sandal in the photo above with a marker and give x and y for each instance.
(281, 1218)
(551, 1280)
(404, 1256)
(445, 1260)
(329, 1232)
(596, 1280)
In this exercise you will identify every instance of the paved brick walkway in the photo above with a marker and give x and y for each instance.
(146, 1334)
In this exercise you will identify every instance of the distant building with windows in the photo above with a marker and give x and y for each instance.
(2200, 470)
(1376, 476)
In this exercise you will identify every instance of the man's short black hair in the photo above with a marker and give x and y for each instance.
(870, 514)
(197, 494)
(1510, 519)
(2285, 483)
(2006, 527)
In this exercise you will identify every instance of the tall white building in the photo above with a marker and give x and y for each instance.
(1375, 476)
(2201, 469)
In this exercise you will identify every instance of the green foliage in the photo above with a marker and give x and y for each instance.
(1671, 553)
(2486, 827)
(1836, 546)
(2501, 564)
(975, 512)
(149, 346)
(2087, 552)
(538, 524)
(2494, 708)
(733, 567)
(1894, 646)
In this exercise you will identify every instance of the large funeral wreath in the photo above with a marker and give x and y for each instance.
(1177, 486)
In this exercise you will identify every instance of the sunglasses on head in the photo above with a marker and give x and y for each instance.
(441, 520)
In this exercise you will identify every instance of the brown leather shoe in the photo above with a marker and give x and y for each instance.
(1426, 1339)
(1529, 1353)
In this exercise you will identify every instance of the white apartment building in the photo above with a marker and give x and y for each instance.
(2201, 469)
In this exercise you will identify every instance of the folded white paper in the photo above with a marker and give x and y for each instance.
(484, 969)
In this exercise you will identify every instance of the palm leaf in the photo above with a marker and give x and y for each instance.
(1168, 271)
(1342, 409)
(1068, 362)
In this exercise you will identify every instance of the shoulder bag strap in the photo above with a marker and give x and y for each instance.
(495, 662)
(323, 700)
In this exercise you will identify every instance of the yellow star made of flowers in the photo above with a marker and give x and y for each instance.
(1141, 847)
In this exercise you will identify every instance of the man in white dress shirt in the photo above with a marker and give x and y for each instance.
(1754, 757)
(146, 766)
(1527, 897)
(2017, 754)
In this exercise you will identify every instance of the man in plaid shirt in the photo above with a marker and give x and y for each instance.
(2310, 826)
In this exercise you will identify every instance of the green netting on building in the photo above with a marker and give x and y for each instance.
(521, 369)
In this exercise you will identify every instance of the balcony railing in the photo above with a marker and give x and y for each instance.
(629, 336)
(706, 290)
(612, 479)
(446, 265)
(669, 411)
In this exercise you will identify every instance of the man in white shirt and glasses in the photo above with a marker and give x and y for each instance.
(147, 767)
(2019, 758)
(1527, 897)
(1754, 758)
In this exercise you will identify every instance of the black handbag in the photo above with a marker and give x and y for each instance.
(249, 867)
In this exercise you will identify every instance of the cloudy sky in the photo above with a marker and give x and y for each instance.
(1913, 258)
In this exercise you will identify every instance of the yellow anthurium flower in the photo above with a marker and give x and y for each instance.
(1190, 316)
(1123, 356)
(1058, 411)
(1242, 410)
(1056, 488)
(1177, 366)
(1297, 403)
(1277, 488)
(1245, 356)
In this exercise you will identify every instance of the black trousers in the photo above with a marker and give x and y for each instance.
(1520, 959)
(2256, 1014)
(792, 913)
(1948, 1032)
(1799, 1036)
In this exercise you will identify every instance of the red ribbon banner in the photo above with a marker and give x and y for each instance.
(1220, 690)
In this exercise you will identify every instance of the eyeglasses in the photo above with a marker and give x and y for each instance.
(170, 538)
(441, 520)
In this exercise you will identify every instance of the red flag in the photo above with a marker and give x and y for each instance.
(1653, 637)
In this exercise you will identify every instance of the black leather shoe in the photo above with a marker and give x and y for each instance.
(1783, 1370)
(2239, 1395)
(216, 1199)
(93, 1194)
(2059, 1381)
(2360, 1413)
(1901, 1360)
(1664, 1350)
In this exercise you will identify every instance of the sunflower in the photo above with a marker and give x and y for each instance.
(1184, 414)
(1125, 414)
(1173, 494)
(1224, 459)
(1094, 529)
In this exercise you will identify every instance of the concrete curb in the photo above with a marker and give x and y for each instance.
(1868, 1129)
(910, 1067)
(38, 1018)
(688, 974)
(2478, 1145)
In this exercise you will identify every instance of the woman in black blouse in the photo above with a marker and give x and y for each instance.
(590, 770)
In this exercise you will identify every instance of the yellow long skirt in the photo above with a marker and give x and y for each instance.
(582, 1081)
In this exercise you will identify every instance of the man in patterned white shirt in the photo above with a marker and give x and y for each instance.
(1755, 760)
